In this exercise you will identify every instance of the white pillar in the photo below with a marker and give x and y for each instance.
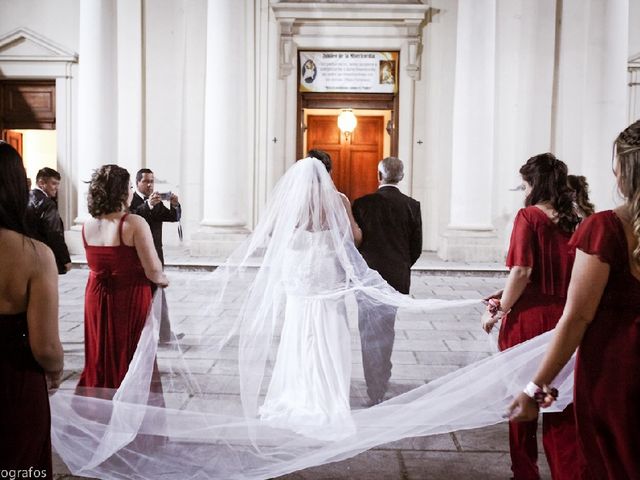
(525, 65)
(592, 100)
(470, 234)
(228, 132)
(97, 94)
(130, 94)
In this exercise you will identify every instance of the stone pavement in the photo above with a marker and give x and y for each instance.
(427, 346)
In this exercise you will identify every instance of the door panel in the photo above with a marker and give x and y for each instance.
(355, 158)
(14, 139)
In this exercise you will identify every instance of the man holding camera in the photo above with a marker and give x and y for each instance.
(148, 203)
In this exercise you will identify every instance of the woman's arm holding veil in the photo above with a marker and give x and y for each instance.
(588, 280)
(143, 242)
(355, 228)
(516, 283)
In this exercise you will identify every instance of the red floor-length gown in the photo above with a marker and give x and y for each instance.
(25, 418)
(607, 385)
(539, 243)
(117, 301)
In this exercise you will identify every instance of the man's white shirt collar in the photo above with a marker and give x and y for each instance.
(38, 188)
(394, 185)
(141, 195)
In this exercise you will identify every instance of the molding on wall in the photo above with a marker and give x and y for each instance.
(406, 20)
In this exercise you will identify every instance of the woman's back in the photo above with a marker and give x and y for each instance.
(117, 300)
(19, 256)
(539, 243)
(24, 263)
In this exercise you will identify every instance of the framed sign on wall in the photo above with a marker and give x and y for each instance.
(348, 72)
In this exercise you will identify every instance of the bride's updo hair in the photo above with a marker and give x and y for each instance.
(627, 148)
(547, 176)
(108, 190)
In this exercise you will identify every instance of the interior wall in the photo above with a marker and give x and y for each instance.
(39, 151)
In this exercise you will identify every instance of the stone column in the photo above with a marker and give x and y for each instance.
(97, 94)
(227, 130)
(592, 104)
(131, 95)
(470, 234)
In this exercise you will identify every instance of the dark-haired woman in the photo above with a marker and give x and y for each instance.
(540, 264)
(580, 187)
(123, 264)
(602, 316)
(30, 351)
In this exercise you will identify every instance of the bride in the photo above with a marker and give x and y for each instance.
(309, 388)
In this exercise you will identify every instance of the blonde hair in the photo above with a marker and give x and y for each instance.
(627, 148)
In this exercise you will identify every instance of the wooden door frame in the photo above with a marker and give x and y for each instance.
(362, 101)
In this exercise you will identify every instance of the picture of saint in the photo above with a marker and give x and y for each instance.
(387, 72)
(309, 71)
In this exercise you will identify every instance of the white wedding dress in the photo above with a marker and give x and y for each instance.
(309, 388)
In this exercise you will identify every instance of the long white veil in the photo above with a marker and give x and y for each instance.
(274, 380)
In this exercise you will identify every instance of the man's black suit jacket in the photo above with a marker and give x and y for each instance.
(154, 217)
(391, 224)
(43, 215)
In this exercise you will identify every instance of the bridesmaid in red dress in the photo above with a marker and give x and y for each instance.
(30, 351)
(123, 264)
(602, 317)
(540, 264)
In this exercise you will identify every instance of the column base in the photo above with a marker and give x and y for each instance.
(470, 246)
(218, 242)
(73, 239)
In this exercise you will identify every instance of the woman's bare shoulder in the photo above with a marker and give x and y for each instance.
(26, 251)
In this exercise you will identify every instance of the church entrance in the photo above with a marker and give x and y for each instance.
(355, 155)
(28, 122)
(348, 107)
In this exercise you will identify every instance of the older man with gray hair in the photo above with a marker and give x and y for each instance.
(391, 224)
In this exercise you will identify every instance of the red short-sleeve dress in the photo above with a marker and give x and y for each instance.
(607, 375)
(538, 243)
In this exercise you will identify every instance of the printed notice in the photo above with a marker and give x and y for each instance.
(353, 72)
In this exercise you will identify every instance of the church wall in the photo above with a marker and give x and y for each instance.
(434, 111)
(175, 61)
(57, 20)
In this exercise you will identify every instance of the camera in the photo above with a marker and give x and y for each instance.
(165, 195)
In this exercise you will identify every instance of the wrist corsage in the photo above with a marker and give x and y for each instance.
(495, 308)
(544, 396)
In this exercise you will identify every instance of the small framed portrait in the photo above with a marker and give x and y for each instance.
(309, 71)
(387, 72)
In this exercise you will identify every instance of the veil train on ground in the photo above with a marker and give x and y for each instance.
(269, 381)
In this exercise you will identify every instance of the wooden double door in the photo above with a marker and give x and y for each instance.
(355, 157)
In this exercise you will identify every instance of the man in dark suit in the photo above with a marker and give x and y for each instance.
(391, 226)
(147, 203)
(45, 219)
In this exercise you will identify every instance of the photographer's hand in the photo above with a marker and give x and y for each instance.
(174, 200)
(154, 199)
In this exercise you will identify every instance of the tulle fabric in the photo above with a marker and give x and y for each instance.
(275, 384)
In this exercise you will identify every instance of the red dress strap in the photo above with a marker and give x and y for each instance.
(120, 230)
